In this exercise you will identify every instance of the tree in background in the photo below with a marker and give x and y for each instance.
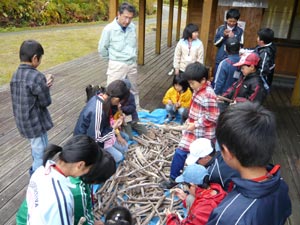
(41, 12)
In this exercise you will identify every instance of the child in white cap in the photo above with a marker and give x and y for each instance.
(207, 195)
(202, 152)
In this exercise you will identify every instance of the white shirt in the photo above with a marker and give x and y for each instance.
(49, 198)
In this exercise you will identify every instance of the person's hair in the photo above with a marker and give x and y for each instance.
(188, 31)
(128, 7)
(78, 148)
(28, 49)
(205, 184)
(266, 35)
(118, 216)
(248, 130)
(232, 46)
(178, 79)
(116, 89)
(92, 90)
(195, 71)
(233, 13)
(102, 170)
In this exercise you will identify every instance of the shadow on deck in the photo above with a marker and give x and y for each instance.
(68, 98)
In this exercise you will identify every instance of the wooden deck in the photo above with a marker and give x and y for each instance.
(68, 95)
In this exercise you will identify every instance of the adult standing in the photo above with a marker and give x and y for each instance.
(118, 45)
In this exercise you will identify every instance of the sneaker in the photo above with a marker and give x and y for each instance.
(171, 72)
(169, 119)
(168, 184)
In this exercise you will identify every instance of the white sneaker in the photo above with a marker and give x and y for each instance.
(171, 72)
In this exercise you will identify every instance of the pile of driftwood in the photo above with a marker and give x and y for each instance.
(135, 184)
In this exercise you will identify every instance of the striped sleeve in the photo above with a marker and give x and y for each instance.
(98, 121)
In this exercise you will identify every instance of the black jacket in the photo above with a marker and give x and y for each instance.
(266, 64)
(249, 88)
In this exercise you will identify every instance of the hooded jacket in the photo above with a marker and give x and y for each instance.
(248, 87)
(94, 122)
(224, 77)
(204, 203)
(266, 64)
(254, 203)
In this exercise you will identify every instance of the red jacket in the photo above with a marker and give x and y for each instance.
(202, 207)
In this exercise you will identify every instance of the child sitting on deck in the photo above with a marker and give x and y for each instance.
(207, 196)
(96, 119)
(178, 99)
(201, 120)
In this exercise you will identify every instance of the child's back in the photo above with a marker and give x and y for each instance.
(227, 73)
(247, 134)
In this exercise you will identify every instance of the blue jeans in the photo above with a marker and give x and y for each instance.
(38, 146)
(171, 111)
(178, 162)
(117, 151)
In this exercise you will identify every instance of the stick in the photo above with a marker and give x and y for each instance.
(147, 220)
(224, 99)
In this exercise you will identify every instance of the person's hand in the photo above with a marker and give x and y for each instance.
(81, 221)
(190, 127)
(176, 71)
(233, 103)
(230, 34)
(170, 102)
(177, 104)
(50, 79)
(121, 140)
(118, 123)
(180, 193)
(98, 222)
(226, 32)
(168, 212)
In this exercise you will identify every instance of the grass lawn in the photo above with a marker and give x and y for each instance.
(60, 43)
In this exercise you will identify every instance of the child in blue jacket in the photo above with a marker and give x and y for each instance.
(229, 29)
(246, 133)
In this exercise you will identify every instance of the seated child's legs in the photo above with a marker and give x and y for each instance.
(117, 155)
(170, 110)
(183, 112)
(128, 130)
(178, 162)
(139, 128)
(121, 148)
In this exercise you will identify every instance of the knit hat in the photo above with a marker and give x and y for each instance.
(193, 174)
(199, 148)
(248, 59)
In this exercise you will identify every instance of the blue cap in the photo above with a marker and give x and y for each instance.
(194, 174)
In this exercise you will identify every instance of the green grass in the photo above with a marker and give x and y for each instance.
(60, 43)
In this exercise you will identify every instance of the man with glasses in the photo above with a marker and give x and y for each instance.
(118, 45)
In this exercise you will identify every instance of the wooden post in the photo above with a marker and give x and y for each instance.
(113, 9)
(170, 26)
(178, 20)
(296, 92)
(141, 35)
(205, 23)
(158, 26)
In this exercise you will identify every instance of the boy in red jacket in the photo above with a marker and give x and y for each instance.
(207, 196)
